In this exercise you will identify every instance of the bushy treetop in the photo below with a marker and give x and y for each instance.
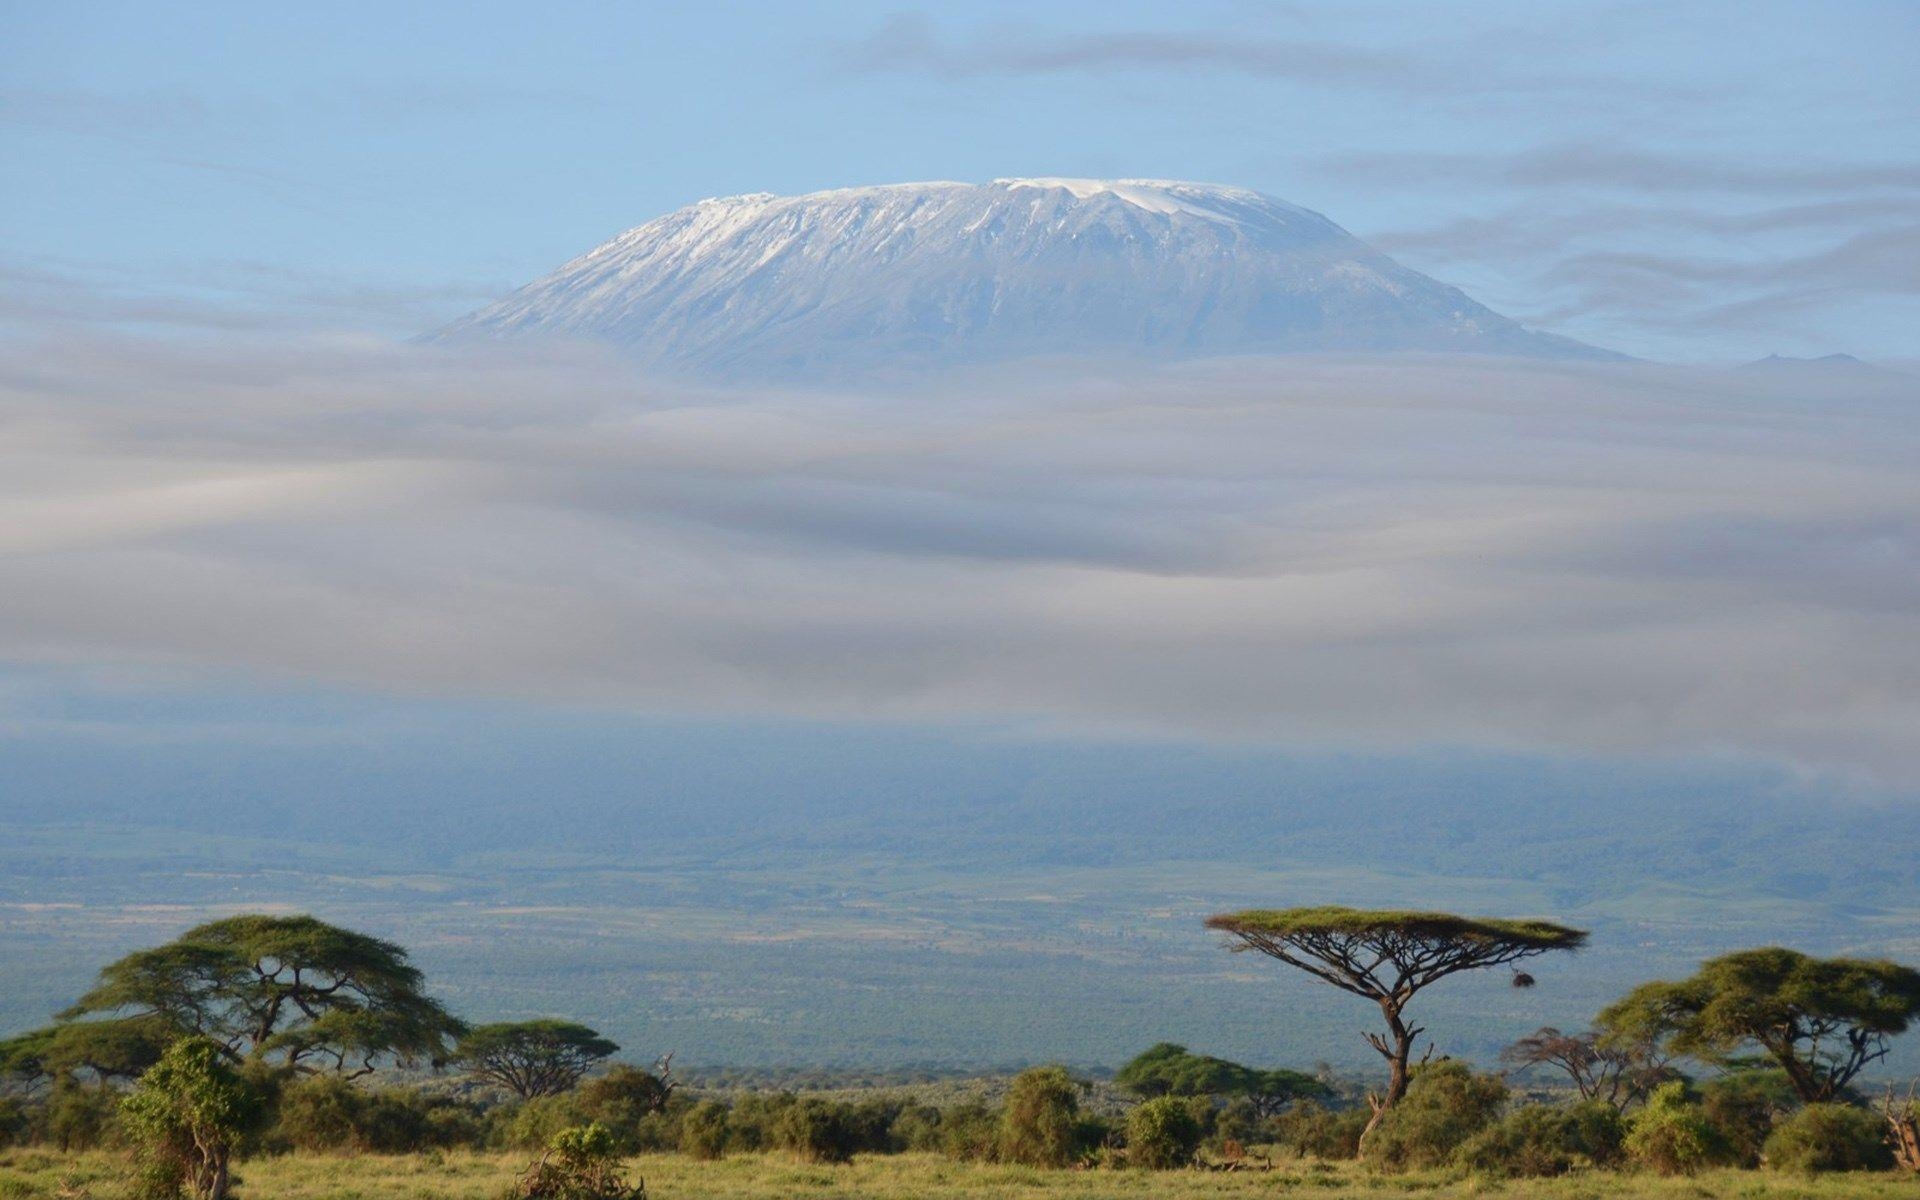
(290, 986)
(1333, 919)
(1822, 1020)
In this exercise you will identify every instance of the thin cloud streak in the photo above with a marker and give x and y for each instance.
(1364, 555)
(914, 43)
(1621, 168)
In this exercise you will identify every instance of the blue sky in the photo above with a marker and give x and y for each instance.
(1697, 183)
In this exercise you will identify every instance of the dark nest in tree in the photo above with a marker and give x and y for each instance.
(1522, 980)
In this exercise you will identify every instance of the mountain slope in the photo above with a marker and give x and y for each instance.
(940, 273)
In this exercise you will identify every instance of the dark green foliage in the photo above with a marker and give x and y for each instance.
(80, 1117)
(703, 1131)
(186, 1116)
(1312, 1130)
(1037, 1126)
(1170, 1070)
(86, 1051)
(970, 1132)
(1830, 1137)
(1537, 1140)
(1446, 1105)
(1162, 1134)
(534, 1124)
(1822, 1021)
(918, 1128)
(532, 1058)
(16, 1122)
(1743, 1106)
(816, 1131)
(627, 1101)
(325, 1113)
(1600, 1131)
(751, 1121)
(582, 1163)
(294, 990)
(1672, 1135)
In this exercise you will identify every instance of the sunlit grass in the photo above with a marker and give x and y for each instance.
(27, 1174)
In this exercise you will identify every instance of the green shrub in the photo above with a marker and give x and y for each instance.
(629, 1102)
(582, 1163)
(324, 1113)
(1037, 1126)
(1540, 1140)
(1312, 1130)
(918, 1128)
(815, 1131)
(703, 1131)
(970, 1133)
(1743, 1107)
(1672, 1135)
(750, 1124)
(1599, 1131)
(16, 1123)
(533, 1124)
(80, 1117)
(1830, 1137)
(186, 1115)
(1446, 1105)
(1162, 1133)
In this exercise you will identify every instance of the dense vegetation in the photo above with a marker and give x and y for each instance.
(258, 1036)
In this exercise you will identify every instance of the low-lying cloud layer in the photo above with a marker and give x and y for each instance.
(1624, 560)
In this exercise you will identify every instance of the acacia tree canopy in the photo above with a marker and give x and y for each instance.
(295, 990)
(533, 1058)
(1821, 1020)
(1388, 956)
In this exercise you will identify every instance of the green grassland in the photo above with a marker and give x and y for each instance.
(27, 1174)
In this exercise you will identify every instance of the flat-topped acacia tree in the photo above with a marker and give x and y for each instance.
(1388, 957)
(290, 990)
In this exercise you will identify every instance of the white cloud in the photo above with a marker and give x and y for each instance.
(1624, 560)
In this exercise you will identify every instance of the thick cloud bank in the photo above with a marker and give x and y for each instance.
(1617, 559)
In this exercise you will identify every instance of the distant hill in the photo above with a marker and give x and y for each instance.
(1827, 367)
(928, 274)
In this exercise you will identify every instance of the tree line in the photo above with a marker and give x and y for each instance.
(262, 1034)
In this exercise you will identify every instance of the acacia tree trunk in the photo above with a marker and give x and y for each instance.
(1396, 1048)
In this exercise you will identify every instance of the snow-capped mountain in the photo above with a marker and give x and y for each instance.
(937, 273)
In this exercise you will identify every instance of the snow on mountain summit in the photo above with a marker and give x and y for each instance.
(927, 274)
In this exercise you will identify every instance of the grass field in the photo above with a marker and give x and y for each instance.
(100, 1176)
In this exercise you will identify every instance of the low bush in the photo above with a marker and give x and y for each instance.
(80, 1117)
(816, 1131)
(1312, 1130)
(1829, 1137)
(1037, 1126)
(1672, 1135)
(917, 1128)
(703, 1131)
(1542, 1140)
(1742, 1108)
(970, 1132)
(1162, 1133)
(1446, 1105)
(582, 1163)
(751, 1121)
(533, 1124)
